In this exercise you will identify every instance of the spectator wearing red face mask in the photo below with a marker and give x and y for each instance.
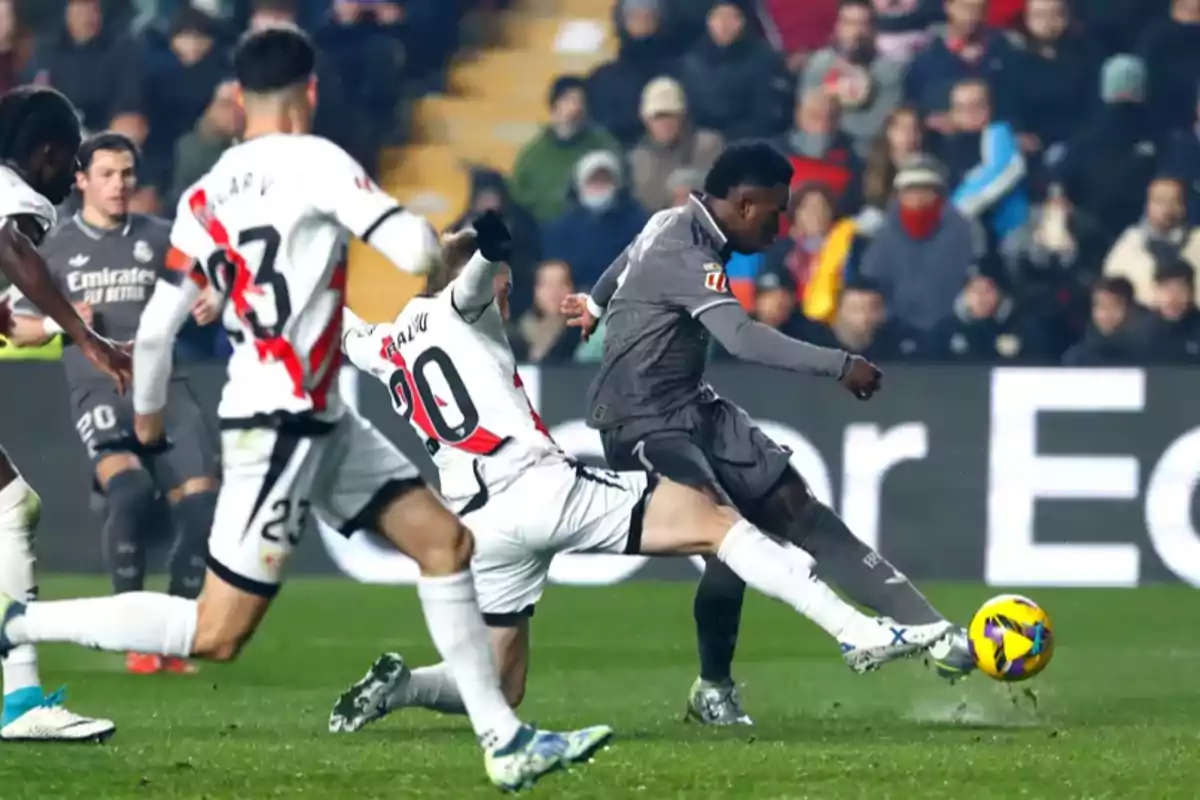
(921, 254)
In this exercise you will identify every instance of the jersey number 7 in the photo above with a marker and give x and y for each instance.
(222, 269)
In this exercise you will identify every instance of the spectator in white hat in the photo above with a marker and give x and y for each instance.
(670, 144)
(599, 223)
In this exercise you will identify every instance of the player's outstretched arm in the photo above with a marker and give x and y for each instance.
(474, 288)
(749, 340)
(168, 310)
(25, 267)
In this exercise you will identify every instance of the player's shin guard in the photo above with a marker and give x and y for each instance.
(142, 622)
(20, 509)
(785, 573)
(128, 522)
(864, 575)
(718, 612)
(456, 626)
(194, 516)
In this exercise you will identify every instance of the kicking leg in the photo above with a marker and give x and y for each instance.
(679, 519)
(27, 713)
(865, 576)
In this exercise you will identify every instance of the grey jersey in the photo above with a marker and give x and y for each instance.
(114, 271)
(655, 347)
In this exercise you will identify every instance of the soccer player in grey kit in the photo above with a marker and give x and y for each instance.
(107, 261)
(665, 298)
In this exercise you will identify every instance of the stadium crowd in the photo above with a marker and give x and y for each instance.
(1013, 181)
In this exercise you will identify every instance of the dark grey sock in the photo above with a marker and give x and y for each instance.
(718, 612)
(864, 576)
(193, 517)
(129, 515)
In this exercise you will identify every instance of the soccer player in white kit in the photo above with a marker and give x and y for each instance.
(451, 372)
(267, 226)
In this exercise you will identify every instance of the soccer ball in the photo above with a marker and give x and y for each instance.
(1011, 638)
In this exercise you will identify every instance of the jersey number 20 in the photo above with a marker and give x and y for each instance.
(417, 402)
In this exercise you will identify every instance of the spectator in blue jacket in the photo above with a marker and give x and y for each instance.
(964, 48)
(602, 219)
(985, 165)
(1181, 159)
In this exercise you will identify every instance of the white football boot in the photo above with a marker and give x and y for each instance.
(883, 639)
(48, 721)
(51, 722)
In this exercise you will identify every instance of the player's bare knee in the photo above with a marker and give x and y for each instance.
(448, 552)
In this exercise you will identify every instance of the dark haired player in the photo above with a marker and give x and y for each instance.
(107, 260)
(39, 137)
(269, 225)
(666, 297)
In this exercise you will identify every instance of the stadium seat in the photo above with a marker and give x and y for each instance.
(496, 102)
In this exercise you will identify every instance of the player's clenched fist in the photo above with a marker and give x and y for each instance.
(493, 238)
(579, 315)
(861, 377)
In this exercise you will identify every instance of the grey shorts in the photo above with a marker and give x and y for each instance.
(104, 421)
(711, 445)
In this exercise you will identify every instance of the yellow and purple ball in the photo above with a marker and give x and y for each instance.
(1011, 638)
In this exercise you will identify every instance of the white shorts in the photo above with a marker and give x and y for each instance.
(554, 507)
(273, 479)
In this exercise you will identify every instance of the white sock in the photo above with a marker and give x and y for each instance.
(140, 622)
(456, 626)
(784, 572)
(432, 688)
(20, 508)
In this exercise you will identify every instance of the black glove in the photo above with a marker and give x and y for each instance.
(493, 238)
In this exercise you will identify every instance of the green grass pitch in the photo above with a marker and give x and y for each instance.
(1116, 714)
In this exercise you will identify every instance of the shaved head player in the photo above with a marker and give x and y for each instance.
(666, 297)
